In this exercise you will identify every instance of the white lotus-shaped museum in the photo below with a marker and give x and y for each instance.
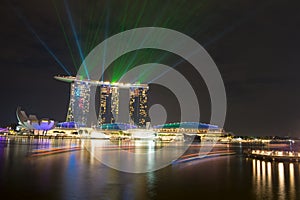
(32, 122)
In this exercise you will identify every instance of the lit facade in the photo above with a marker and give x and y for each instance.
(109, 104)
(32, 122)
(109, 101)
(189, 127)
(70, 113)
(138, 106)
(79, 103)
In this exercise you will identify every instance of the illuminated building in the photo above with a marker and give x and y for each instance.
(188, 127)
(138, 106)
(115, 102)
(70, 114)
(109, 104)
(33, 123)
(191, 130)
(109, 101)
(79, 102)
(117, 126)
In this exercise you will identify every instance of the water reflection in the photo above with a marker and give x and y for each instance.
(78, 175)
(292, 182)
(135, 156)
(269, 181)
(258, 177)
(274, 179)
(253, 170)
(263, 181)
(281, 186)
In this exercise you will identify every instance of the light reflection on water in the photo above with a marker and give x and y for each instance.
(78, 175)
(263, 180)
(292, 181)
(136, 156)
(281, 193)
(269, 181)
(274, 180)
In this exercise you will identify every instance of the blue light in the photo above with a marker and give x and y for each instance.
(187, 125)
(68, 125)
(117, 126)
(76, 38)
(77, 92)
(105, 42)
(41, 41)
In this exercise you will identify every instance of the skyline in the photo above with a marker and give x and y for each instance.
(254, 45)
(107, 103)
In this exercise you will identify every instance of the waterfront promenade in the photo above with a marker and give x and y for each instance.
(291, 156)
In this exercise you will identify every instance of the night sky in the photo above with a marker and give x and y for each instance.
(255, 45)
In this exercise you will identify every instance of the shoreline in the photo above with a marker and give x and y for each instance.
(280, 156)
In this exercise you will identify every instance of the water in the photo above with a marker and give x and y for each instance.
(78, 175)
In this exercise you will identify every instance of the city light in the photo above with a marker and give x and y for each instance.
(109, 101)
